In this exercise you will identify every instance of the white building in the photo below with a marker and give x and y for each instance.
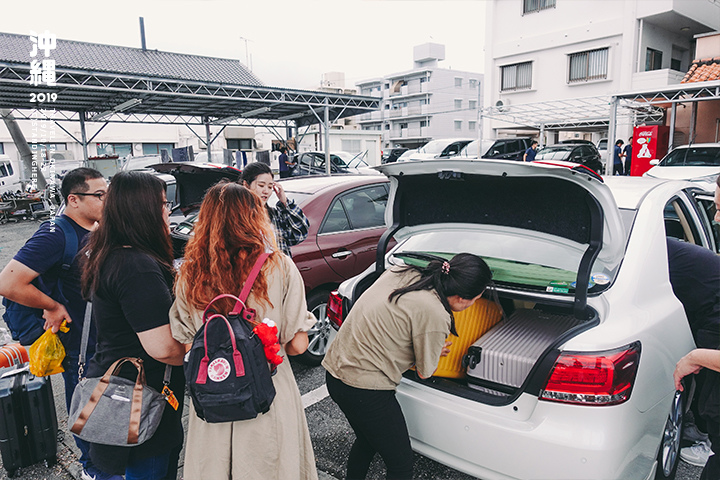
(423, 103)
(555, 50)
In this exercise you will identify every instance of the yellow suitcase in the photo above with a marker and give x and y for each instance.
(470, 324)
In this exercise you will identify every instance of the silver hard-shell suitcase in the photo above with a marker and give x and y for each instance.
(507, 352)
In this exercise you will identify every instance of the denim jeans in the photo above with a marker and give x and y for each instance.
(70, 376)
(151, 468)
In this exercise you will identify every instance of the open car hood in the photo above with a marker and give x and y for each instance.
(194, 179)
(564, 201)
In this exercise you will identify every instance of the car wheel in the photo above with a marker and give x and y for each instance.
(322, 333)
(669, 454)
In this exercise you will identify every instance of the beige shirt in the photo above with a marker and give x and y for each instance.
(381, 339)
(275, 445)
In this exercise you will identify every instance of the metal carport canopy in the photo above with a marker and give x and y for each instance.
(82, 95)
(171, 101)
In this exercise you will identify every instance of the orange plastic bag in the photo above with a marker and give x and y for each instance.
(47, 353)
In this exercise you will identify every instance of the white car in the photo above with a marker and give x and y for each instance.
(599, 401)
(441, 148)
(698, 162)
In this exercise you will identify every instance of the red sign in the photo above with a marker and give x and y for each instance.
(648, 143)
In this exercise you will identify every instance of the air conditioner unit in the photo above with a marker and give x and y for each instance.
(62, 155)
(503, 105)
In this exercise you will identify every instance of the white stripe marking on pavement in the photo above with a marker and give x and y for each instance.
(314, 396)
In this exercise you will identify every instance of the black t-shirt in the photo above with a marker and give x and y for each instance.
(695, 279)
(134, 295)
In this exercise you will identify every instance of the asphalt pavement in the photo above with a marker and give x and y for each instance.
(330, 433)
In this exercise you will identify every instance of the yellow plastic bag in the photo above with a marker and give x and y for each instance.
(47, 353)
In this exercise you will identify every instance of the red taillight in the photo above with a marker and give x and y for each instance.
(334, 308)
(598, 378)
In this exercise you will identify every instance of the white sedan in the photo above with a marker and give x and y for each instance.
(598, 400)
(698, 162)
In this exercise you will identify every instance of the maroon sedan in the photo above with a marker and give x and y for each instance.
(347, 217)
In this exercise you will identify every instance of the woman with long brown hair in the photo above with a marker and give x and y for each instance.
(232, 231)
(128, 276)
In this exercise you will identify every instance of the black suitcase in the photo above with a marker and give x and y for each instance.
(28, 422)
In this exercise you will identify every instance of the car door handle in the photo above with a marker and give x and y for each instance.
(342, 254)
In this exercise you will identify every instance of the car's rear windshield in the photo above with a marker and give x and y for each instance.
(519, 261)
(693, 157)
(553, 153)
(508, 272)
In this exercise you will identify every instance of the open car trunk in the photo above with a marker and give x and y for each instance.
(514, 356)
(551, 235)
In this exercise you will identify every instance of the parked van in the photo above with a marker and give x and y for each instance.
(9, 176)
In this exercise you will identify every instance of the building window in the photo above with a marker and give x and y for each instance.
(458, 125)
(387, 126)
(423, 123)
(239, 143)
(516, 77)
(155, 148)
(458, 104)
(590, 65)
(472, 104)
(537, 5)
(458, 82)
(472, 125)
(387, 86)
(403, 125)
(423, 79)
(676, 64)
(112, 149)
(472, 83)
(2, 149)
(387, 106)
(653, 60)
(352, 146)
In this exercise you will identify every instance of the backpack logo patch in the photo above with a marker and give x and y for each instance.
(219, 370)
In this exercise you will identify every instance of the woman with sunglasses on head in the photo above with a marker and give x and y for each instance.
(231, 232)
(401, 321)
(128, 276)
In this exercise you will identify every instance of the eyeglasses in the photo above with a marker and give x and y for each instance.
(168, 205)
(99, 195)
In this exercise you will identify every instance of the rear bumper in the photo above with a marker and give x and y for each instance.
(531, 439)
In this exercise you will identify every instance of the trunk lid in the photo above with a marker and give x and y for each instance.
(539, 204)
(194, 179)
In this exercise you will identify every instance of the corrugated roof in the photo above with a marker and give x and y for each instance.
(134, 61)
(705, 70)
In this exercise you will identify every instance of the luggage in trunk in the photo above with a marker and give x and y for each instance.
(470, 325)
(28, 422)
(505, 355)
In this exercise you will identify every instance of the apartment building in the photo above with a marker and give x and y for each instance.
(423, 103)
(554, 51)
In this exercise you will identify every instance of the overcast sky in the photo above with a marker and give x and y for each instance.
(290, 43)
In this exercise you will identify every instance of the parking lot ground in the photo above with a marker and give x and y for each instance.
(330, 433)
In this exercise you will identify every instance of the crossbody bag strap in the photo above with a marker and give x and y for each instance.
(84, 340)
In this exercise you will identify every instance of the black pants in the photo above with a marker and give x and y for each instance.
(285, 173)
(379, 425)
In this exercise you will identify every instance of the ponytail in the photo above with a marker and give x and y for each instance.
(465, 275)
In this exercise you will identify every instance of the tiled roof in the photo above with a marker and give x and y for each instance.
(704, 70)
(134, 61)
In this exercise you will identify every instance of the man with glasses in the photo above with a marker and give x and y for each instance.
(38, 277)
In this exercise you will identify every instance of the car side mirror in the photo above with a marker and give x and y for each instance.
(654, 161)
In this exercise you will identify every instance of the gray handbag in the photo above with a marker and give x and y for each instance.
(113, 410)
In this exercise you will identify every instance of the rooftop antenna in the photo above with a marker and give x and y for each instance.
(142, 33)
